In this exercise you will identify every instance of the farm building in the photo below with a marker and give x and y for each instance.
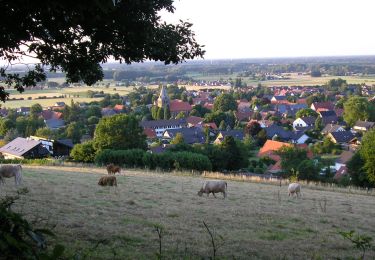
(22, 148)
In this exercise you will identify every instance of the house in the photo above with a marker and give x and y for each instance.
(107, 111)
(177, 106)
(194, 120)
(279, 100)
(275, 131)
(192, 135)
(59, 104)
(119, 108)
(344, 158)
(50, 114)
(341, 164)
(161, 125)
(54, 123)
(304, 122)
(363, 126)
(149, 133)
(342, 137)
(322, 106)
(270, 149)
(23, 111)
(330, 128)
(242, 116)
(328, 117)
(61, 147)
(243, 106)
(22, 148)
(237, 134)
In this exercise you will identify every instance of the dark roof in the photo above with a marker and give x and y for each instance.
(19, 146)
(329, 128)
(66, 142)
(365, 124)
(343, 136)
(328, 113)
(283, 134)
(279, 131)
(280, 97)
(159, 123)
(55, 123)
(238, 134)
(310, 120)
(191, 135)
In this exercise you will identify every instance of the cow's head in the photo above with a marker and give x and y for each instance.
(200, 193)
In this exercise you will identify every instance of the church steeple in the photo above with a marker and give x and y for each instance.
(163, 99)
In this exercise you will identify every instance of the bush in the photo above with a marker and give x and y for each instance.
(18, 239)
(259, 170)
(165, 161)
(84, 152)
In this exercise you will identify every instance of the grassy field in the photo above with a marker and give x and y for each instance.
(78, 94)
(257, 221)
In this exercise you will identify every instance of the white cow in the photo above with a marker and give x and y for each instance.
(213, 187)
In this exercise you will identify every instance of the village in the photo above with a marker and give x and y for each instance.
(266, 118)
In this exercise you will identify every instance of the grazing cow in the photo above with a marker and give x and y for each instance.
(107, 181)
(294, 188)
(9, 171)
(213, 187)
(112, 169)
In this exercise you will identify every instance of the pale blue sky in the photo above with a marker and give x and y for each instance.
(280, 28)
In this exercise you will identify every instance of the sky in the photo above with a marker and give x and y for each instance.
(279, 28)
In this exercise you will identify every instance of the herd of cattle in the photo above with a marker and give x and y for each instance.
(9, 171)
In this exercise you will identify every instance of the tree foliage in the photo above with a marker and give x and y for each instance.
(84, 152)
(306, 112)
(358, 108)
(119, 132)
(224, 103)
(77, 36)
(367, 152)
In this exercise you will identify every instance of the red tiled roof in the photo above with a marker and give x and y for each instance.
(323, 106)
(149, 132)
(271, 146)
(211, 125)
(301, 101)
(49, 114)
(194, 120)
(178, 105)
(119, 107)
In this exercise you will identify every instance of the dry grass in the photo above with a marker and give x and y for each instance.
(257, 221)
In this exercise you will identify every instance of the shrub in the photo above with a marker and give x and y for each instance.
(165, 161)
(84, 152)
(259, 170)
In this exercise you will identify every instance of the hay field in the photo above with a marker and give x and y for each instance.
(257, 221)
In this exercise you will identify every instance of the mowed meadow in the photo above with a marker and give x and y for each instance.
(256, 221)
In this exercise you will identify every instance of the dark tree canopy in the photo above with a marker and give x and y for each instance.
(77, 36)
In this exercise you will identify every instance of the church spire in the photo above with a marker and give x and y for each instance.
(163, 99)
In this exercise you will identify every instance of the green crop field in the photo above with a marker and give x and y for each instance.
(256, 221)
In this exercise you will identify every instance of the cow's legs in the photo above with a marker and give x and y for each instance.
(213, 193)
(224, 194)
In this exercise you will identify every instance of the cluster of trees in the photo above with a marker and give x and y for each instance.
(166, 161)
(122, 132)
(294, 159)
(361, 167)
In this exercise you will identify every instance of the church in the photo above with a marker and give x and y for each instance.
(175, 106)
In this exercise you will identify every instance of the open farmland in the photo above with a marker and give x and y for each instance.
(257, 221)
(78, 94)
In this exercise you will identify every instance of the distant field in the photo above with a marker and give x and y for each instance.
(295, 79)
(257, 221)
(71, 93)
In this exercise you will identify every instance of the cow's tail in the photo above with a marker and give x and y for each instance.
(226, 186)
